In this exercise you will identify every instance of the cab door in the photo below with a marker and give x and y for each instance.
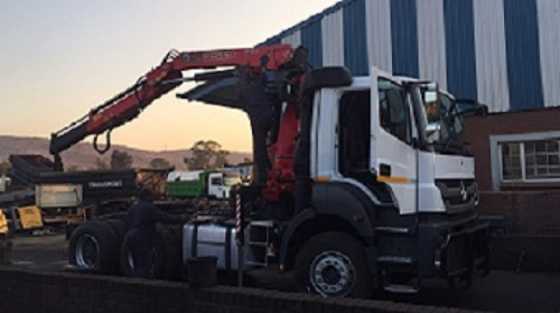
(393, 155)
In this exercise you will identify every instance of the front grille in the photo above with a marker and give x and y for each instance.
(458, 195)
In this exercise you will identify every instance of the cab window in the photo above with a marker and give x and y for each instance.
(394, 112)
(216, 181)
(354, 131)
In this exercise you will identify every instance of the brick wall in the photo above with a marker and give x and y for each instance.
(35, 292)
(478, 131)
(532, 239)
(529, 212)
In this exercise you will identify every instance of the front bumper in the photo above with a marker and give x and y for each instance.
(452, 247)
(464, 252)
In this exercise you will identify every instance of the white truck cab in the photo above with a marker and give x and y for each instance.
(220, 184)
(378, 127)
(383, 195)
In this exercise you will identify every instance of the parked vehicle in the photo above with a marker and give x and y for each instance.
(349, 191)
(5, 182)
(199, 184)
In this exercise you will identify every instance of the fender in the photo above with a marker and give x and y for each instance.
(342, 201)
(347, 202)
(295, 223)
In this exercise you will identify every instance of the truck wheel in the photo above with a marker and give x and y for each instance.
(119, 227)
(334, 265)
(165, 257)
(129, 263)
(94, 247)
(170, 243)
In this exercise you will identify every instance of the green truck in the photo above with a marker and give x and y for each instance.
(200, 184)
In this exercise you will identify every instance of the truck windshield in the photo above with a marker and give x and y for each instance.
(445, 112)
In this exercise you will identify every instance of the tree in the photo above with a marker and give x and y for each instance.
(100, 164)
(5, 167)
(206, 154)
(220, 160)
(121, 160)
(160, 164)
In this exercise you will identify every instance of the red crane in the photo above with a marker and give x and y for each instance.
(274, 71)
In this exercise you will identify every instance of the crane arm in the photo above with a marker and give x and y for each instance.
(167, 76)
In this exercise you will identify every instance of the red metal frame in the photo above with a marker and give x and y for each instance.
(168, 75)
(151, 89)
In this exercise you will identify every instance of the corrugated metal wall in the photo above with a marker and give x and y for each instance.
(505, 53)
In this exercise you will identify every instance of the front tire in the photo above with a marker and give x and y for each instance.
(334, 265)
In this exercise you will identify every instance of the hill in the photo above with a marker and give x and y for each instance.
(83, 156)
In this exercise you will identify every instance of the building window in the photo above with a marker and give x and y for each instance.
(542, 159)
(511, 161)
(532, 160)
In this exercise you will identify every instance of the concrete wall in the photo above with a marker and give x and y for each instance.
(34, 292)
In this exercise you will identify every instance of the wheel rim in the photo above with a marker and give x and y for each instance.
(87, 252)
(130, 258)
(332, 274)
(132, 263)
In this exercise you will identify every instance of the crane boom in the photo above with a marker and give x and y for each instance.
(165, 77)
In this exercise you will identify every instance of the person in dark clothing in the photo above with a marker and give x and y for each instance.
(142, 218)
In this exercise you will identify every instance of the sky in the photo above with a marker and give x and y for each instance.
(60, 58)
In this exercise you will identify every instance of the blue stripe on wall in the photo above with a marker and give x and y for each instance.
(460, 49)
(355, 44)
(523, 57)
(312, 39)
(404, 37)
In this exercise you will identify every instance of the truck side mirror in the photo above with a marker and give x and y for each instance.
(431, 93)
(432, 132)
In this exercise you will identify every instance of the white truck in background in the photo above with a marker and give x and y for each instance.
(5, 182)
(200, 184)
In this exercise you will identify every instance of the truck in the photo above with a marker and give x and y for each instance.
(67, 199)
(5, 182)
(355, 189)
(200, 184)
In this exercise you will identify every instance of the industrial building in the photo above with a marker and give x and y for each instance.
(503, 53)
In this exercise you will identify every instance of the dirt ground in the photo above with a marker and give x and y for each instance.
(499, 292)
(46, 253)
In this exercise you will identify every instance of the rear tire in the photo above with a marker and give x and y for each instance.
(119, 227)
(128, 262)
(334, 265)
(172, 252)
(94, 247)
(166, 259)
